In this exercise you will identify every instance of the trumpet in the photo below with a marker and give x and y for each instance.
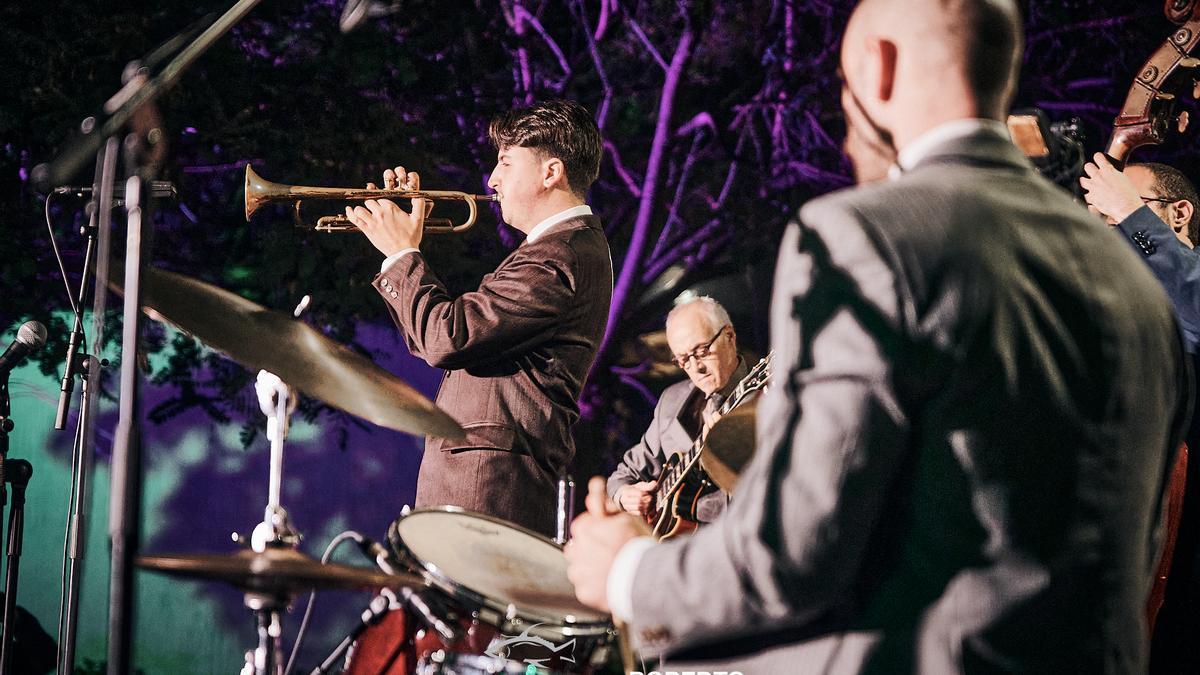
(260, 192)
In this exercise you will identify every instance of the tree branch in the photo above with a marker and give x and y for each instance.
(641, 228)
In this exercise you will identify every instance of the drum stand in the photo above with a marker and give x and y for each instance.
(566, 509)
(277, 402)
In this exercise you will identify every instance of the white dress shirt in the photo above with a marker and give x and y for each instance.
(537, 231)
(920, 147)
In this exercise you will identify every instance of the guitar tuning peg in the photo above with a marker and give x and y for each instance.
(1189, 62)
(1195, 88)
(1182, 121)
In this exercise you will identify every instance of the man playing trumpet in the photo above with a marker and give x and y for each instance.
(518, 349)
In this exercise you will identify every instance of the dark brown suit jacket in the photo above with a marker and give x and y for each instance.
(516, 353)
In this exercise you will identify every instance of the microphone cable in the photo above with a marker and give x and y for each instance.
(348, 535)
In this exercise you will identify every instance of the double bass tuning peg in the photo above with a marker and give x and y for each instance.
(1181, 122)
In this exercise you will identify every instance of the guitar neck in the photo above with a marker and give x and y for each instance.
(670, 482)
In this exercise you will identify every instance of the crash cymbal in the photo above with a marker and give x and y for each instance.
(259, 338)
(729, 445)
(275, 571)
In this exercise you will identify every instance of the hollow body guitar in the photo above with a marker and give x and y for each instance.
(683, 482)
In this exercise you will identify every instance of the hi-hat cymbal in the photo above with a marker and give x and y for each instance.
(259, 338)
(281, 571)
(729, 445)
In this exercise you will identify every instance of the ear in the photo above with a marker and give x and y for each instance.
(1181, 212)
(884, 60)
(554, 173)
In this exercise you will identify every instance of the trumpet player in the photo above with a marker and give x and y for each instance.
(517, 349)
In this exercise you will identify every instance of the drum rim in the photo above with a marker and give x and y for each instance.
(459, 591)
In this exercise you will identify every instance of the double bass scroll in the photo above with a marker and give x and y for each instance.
(1149, 115)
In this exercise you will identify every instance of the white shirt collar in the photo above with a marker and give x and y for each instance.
(921, 146)
(573, 212)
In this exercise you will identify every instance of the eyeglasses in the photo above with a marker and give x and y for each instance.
(701, 352)
(1164, 200)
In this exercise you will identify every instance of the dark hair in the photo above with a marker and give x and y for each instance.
(559, 128)
(1170, 183)
(991, 37)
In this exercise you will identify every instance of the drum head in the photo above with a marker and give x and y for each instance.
(494, 563)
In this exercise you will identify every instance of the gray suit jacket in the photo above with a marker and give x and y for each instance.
(669, 433)
(516, 353)
(961, 459)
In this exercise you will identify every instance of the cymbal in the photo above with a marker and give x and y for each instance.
(276, 570)
(729, 445)
(259, 338)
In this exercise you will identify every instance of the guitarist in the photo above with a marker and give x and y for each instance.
(704, 345)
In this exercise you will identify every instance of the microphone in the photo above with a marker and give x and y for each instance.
(31, 336)
(357, 11)
(158, 189)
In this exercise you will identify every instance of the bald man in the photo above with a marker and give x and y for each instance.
(976, 394)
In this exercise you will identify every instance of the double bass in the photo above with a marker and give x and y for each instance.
(1148, 117)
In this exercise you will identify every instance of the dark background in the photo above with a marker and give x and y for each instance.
(720, 119)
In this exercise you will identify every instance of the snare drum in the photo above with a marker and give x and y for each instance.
(507, 577)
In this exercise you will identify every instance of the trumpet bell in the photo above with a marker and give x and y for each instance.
(260, 191)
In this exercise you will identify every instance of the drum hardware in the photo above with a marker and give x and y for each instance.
(381, 604)
(260, 192)
(519, 605)
(277, 401)
(441, 662)
(566, 510)
(524, 593)
(405, 598)
(414, 601)
(272, 571)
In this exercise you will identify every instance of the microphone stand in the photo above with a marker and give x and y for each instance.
(16, 472)
(131, 107)
(6, 425)
(87, 368)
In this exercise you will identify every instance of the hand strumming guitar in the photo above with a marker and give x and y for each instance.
(637, 497)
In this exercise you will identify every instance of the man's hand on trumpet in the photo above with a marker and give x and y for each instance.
(390, 228)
